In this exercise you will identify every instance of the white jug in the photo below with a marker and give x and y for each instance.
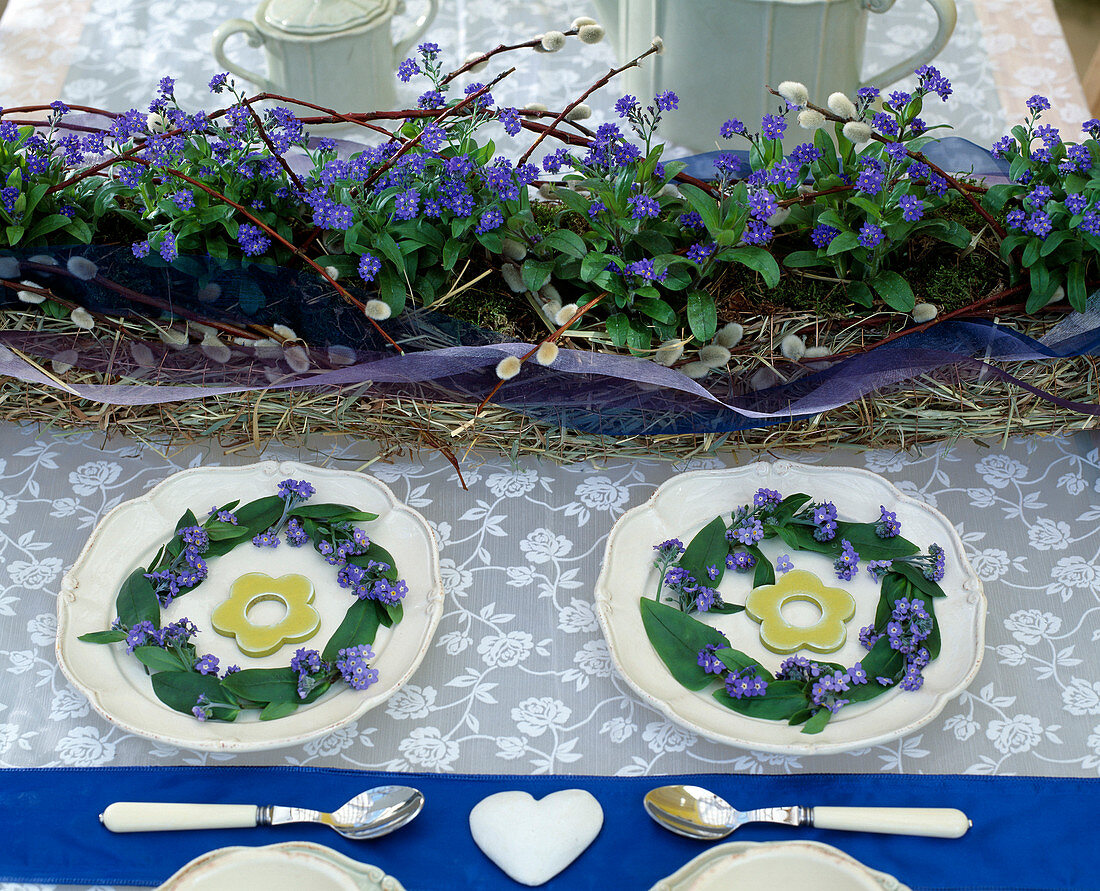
(335, 53)
(719, 55)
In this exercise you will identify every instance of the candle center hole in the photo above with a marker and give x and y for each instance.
(266, 610)
(801, 613)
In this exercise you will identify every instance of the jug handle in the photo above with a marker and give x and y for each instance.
(946, 17)
(404, 44)
(254, 37)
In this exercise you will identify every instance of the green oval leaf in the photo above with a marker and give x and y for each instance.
(359, 626)
(274, 710)
(783, 701)
(159, 659)
(817, 721)
(758, 260)
(339, 512)
(566, 242)
(677, 639)
(894, 290)
(180, 690)
(136, 601)
(103, 637)
(916, 579)
(702, 316)
(264, 684)
(708, 548)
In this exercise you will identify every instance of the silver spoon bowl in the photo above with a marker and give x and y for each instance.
(695, 812)
(371, 814)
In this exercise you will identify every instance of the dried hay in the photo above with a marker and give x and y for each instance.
(929, 410)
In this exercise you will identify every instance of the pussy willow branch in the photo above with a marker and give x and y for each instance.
(147, 300)
(360, 119)
(340, 289)
(961, 311)
(58, 125)
(917, 156)
(809, 197)
(553, 335)
(126, 155)
(600, 84)
(24, 109)
(503, 48)
(450, 110)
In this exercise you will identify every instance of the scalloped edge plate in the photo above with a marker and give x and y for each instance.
(281, 867)
(777, 866)
(684, 504)
(130, 534)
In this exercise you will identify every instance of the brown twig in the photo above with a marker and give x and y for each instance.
(25, 109)
(355, 118)
(61, 125)
(271, 148)
(961, 311)
(598, 85)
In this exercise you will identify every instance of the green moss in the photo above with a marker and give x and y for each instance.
(956, 283)
(496, 308)
(802, 293)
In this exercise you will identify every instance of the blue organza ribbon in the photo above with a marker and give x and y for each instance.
(1028, 832)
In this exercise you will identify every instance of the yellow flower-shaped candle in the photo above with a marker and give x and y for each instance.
(765, 605)
(295, 592)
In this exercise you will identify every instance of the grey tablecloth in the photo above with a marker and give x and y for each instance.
(519, 678)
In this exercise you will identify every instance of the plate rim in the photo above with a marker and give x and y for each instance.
(765, 468)
(693, 867)
(435, 599)
(360, 872)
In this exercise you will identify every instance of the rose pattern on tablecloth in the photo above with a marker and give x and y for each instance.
(519, 678)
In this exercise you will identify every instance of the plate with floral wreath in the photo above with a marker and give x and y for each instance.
(700, 585)
(249, 608)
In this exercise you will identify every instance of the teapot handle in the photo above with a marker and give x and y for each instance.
(254, 37)
(404, 44)
(946, 17)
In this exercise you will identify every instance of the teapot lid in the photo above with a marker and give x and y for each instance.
(326, 16)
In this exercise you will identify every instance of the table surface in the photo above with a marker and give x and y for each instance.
(519, 679)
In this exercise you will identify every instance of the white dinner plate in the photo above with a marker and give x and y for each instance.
(290, 866)
(130, 535)
(777, 866)
(686, 503)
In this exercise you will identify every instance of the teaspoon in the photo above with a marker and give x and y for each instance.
(370, 814)
(697, 813)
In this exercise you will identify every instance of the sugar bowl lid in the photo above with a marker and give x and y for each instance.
(326, 16)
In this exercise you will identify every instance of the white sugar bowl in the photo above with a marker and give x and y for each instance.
(336, 53)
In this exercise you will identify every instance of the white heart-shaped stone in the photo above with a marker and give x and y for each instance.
(532, 841)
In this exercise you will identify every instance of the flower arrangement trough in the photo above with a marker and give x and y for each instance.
(578, 294)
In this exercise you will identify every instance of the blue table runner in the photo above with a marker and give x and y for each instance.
(1029, 832)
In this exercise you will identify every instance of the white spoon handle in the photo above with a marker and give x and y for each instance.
(939, 822)
(144, 816)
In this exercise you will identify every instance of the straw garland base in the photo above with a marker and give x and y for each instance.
(930, 410)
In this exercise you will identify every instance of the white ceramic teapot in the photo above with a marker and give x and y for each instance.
(719, 54)
(335, 53)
